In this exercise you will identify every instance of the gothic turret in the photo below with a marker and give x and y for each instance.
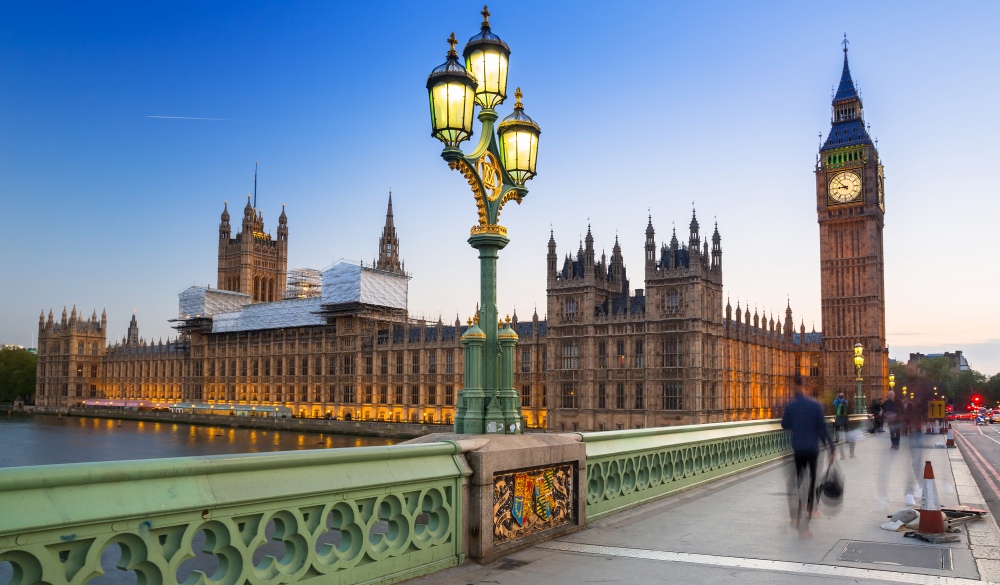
(588, 253)
(388, 244)
(694, 242)
(133, 332)
(225, 230)
(650, 245)
(716, 249)
(282, 225)
(550, 258)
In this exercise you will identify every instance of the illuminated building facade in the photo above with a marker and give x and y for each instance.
(606, 357)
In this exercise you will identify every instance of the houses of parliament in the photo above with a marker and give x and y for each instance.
(341, 344)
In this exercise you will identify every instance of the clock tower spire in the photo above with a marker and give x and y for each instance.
(850, 207)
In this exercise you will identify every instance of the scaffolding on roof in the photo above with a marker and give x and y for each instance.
(304, 283)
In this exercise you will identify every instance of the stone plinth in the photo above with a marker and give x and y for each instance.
(524, 489)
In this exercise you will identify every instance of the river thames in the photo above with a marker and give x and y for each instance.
(46, 439)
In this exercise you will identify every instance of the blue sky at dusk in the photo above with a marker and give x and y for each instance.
(111, 194)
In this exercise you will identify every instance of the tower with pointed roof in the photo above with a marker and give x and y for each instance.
(253, 262)
(70, 363)
(388, 245)
(850, 206)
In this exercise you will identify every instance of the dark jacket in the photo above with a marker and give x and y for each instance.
(804, 417)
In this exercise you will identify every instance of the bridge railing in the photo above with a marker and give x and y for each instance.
(628, 468)
(360, 515)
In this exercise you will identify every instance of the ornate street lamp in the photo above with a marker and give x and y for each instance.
(859, 361)
(892, 384)
(496, 171)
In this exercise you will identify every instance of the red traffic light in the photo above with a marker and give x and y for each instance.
(976, 399)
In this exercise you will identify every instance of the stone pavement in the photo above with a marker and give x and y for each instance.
(738, 528)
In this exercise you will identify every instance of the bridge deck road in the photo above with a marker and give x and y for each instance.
(737, 530)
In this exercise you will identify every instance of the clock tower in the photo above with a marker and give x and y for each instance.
(850, 205)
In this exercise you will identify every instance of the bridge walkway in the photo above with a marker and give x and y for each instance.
(738, 529)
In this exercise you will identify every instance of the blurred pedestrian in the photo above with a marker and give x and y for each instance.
(840, 423)
(877, 414)
(804, 418)
(893, 418)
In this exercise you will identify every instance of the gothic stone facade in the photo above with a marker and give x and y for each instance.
(666, 354)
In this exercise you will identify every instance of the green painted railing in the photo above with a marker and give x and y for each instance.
(628, 468)
(361, 515)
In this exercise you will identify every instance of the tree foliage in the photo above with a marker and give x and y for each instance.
(17, 374)
(936, 374)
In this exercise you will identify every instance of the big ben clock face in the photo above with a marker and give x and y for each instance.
(845, 186)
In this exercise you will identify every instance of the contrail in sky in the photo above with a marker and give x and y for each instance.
(189, 118)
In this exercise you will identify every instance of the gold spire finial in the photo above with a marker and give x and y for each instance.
(518, 95)
(475, 318)
(452, 41)
(486, 15)
(507, 319)
(470, 322)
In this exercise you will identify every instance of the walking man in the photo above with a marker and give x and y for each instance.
(804, 418)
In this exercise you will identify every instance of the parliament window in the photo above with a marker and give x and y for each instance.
(369, 367)
(383, 394)
(399, 395)
(367, 398)
(525, 395)
(383, 365)
(602, 396)
(415, 395)
(672, 351)
(449, 362)
(571, 356)
(602, 354)
(568, 396)
(432, 363)
(399, 364)
(331, 364)
(525, 360)
(620, 353)
(620, 396)
(639, 362)
(415, 363)
(639, 401)
(348, 394)
(318, 367)
(672, 396)
(267, 368)
(432, 395)
(291, 366)
(449, 395)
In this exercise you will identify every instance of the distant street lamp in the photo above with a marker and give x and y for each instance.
(496, 171)
(859, 361)
(892, 383)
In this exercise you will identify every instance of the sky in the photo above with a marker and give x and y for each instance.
(124, 127)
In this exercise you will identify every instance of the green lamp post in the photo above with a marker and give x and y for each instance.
(859, 361)
(496, 172)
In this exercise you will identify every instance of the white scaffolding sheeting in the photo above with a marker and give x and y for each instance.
(345, 282)
(201, 301)
(287, 313)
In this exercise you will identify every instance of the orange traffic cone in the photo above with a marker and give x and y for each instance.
(931, 526)
(950, 441)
